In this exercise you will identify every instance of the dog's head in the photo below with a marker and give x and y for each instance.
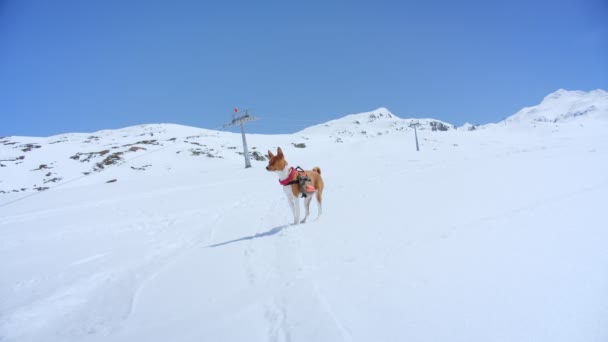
(276, 163)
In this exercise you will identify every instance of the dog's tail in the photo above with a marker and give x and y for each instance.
(317, 169)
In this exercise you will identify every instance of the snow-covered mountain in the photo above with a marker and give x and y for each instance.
(372, 124)
(35, 164)
(159, 233)
(564, 105)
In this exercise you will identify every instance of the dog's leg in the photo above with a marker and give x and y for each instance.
(296, 213)
(293, 203)
(319, 202)
(295, 208)
(307, 206)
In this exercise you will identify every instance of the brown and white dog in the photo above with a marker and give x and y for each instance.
(288, 174)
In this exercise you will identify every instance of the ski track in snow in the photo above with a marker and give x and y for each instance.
(197, 242)
(321, 299)
(485, 221)
(274, 266)
(69, 302)
(268, 270)
(282, 272)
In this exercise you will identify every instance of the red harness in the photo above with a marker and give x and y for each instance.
(286, 181)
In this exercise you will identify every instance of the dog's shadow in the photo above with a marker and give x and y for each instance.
(271, 232)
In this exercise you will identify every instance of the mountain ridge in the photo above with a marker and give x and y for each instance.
(39, 163)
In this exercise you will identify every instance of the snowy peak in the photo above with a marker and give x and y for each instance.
(374, 123)
(376, 116)
(564, 106)
(380, 114)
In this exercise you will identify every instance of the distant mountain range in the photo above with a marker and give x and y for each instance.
(38, 163)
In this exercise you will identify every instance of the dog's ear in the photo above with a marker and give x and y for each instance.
(270, 155)
(279, 152)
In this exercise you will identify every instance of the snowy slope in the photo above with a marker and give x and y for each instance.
(564, 105)
(495, 234)
(30, 164)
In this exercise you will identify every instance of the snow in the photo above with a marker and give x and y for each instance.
(564, 105)
(494, 234)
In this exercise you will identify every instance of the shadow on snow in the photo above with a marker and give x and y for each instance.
(271, 232)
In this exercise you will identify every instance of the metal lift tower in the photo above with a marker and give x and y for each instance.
(240, 119)
(415, 125)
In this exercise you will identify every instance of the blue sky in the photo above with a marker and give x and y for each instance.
(83, 66)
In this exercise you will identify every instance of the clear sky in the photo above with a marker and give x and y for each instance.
(83, 66)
